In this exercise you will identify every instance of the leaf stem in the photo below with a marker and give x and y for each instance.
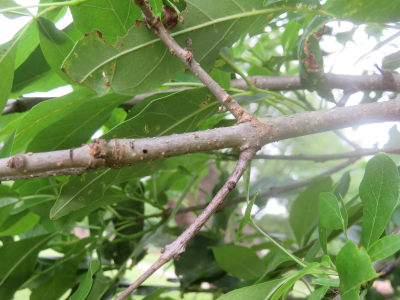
(296, 259)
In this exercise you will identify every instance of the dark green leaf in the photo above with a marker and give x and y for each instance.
(354, 268)
(311, 66)
(82, 191)
(86, 283)
(241, 262)
(379, 192)
(7, 61)
(19, 223)
(161, 117)
(384, 247)
(305, 208)
(17, 262)
(278, 258)
(198, 263)
(329, 211)
(5, 212)
(140, 47)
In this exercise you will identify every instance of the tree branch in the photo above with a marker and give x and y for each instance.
(186, 57)
(336, 81)
(271, 83)
(323, 157)
(119, 153)
(177, 247)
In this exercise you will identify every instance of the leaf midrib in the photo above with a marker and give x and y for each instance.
(189, 29)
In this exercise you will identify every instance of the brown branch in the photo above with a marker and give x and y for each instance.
(186, 57)
(322, 157)
(336, 81)
(121, 153)
(271, 83)
(177, 247)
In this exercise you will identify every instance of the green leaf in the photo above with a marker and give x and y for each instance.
(5, 212)
(161, 117)
(76, 127)
(343, 186)
(262, 291)
(294, 2)
(319, 293)
(293, 278)
(112, 19)
(391, 61)
(117, 67)
(241, 262)
(305, 208)
(247, 217)
(345, 216)
(16, 13)
(384, 247)
(19, 223)
(311, 65)
(82, 191)
(329, 211)
(55, 45)
(7, 61)
(354, 268)
(18, 261)
(86, 284)
(327, 282)
(154, 295)
(65, 277)
(45, 114)
(27, 44)
(326, 261)
(278, 258)
(379, 192)
(366, 11)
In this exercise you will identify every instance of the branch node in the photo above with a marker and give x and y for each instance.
(231, 185)
(16, 162)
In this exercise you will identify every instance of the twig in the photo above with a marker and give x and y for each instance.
(176, 248)
(271, 83)
(186, 57)
(322, 157)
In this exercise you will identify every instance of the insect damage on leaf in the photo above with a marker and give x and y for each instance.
(170, 18)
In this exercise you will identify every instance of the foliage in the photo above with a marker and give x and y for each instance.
(83, 236)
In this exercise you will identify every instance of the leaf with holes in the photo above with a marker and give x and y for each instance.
(139, 61)
(311, 65)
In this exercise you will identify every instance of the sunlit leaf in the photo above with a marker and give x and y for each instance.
(379, 192)
(86, 283)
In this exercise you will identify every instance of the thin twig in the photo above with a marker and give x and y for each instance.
(176, 248)
(321, 157)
